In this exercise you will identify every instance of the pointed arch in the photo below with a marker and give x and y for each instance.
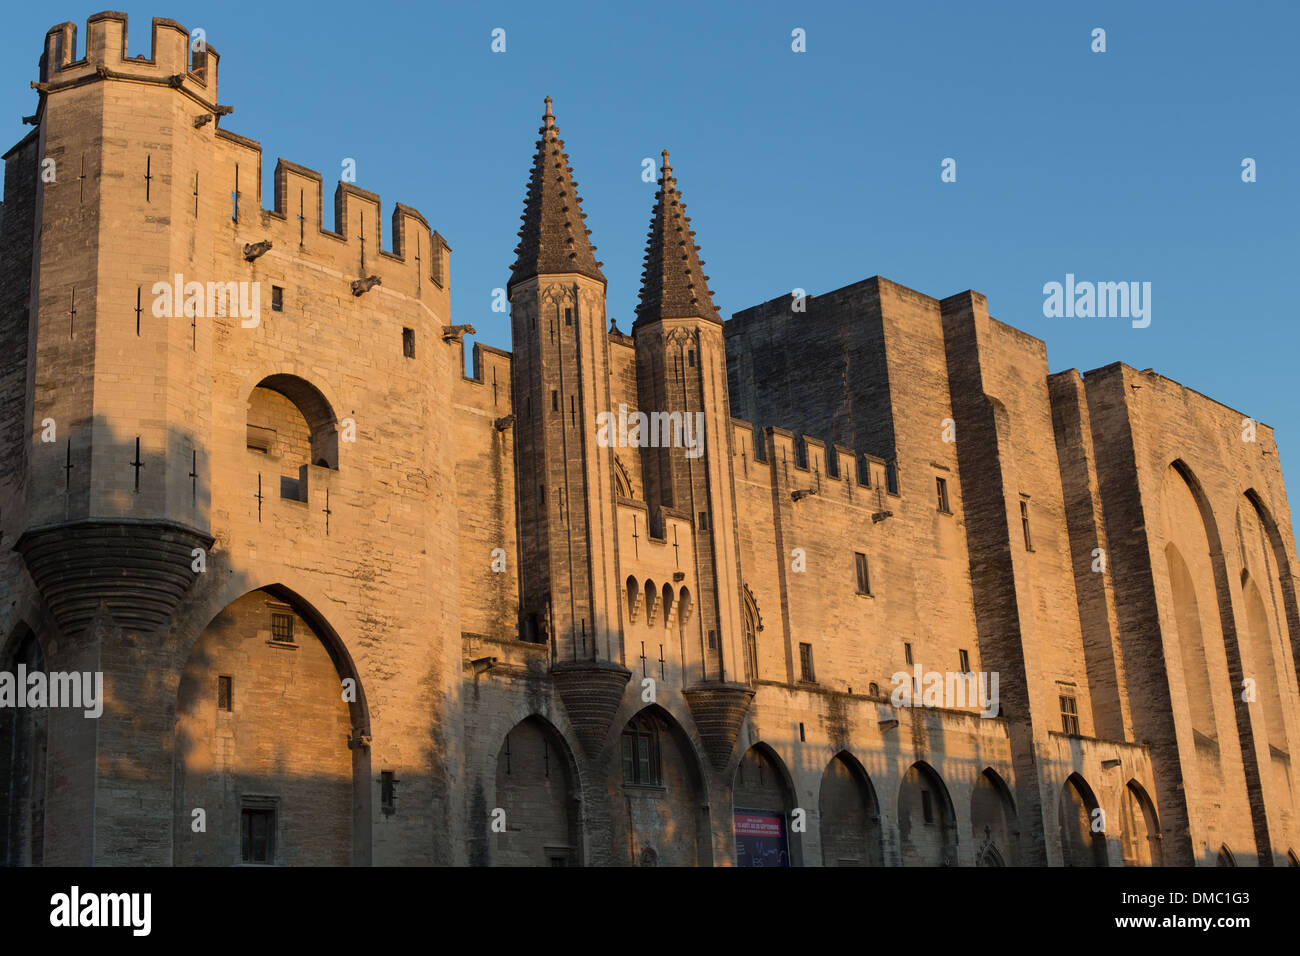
(849, 815)
(537, 785)
(1083, 842)
(994, 824)
(753, 624)
(270, 659)
(24, 747)
(1140, 828)
(1225, 857)
(927, 820)
(661, 800)
(763, 797)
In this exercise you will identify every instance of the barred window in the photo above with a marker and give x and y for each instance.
(282, 628)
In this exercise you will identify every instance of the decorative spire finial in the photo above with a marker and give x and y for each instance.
(668, 170)
(548, 119)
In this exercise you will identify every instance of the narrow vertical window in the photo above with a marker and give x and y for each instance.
(806, 663)
(864, 577)
(224, 689)
(704, 521)
(927, 809)
(907, 652)
(277, 299)
(555, 400)
(388, 791)
(568, 316)
(963, 661)
(941, 492)
(408, 343)
(1024, 523)
(257, 836)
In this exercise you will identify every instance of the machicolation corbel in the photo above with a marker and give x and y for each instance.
(362, 286)
(253, 250)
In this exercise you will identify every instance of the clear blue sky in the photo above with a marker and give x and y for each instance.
(818, 169)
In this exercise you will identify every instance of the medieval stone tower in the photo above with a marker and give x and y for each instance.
(843, 580)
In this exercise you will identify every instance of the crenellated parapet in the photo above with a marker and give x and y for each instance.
(178, 58)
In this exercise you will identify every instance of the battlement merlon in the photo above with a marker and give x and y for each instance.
(297, 221)
(173, 60)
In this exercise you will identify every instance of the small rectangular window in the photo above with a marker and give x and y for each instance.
(963, 658)
(802, 738)
(224, 689)
(864, 577)
(277, 299)
(891, 477)
(1069, 715)
(282, 628)
(555, 400)
(690, 358)
(907, 652)
(257, 836)
(388, 791)
(926, 808)
(408, 343)
(713, 640)
(806, 663)
(941, 491)
(704, 521)
(1024, 523)
(568, 316)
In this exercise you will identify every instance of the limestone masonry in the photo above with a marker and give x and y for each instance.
(907, 600)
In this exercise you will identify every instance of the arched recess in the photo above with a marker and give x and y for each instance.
(762, 800)
(1140, 829)
(1081, 845)
(537, 787)
(1266, 709)
(658, 795)
(993, 821)
(1225, 857)
(927, 821)
(753, 624)
(1191, 644)
(292, 423)
(849, 815)
(24, 738)
(1190, 525)
(273, 740)
(1279, 571)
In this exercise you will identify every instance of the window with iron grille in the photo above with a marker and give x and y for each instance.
(806, 663)
(224, 689)
(282, 628)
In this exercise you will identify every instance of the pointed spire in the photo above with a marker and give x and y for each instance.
(554, 236)
(673, 283)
